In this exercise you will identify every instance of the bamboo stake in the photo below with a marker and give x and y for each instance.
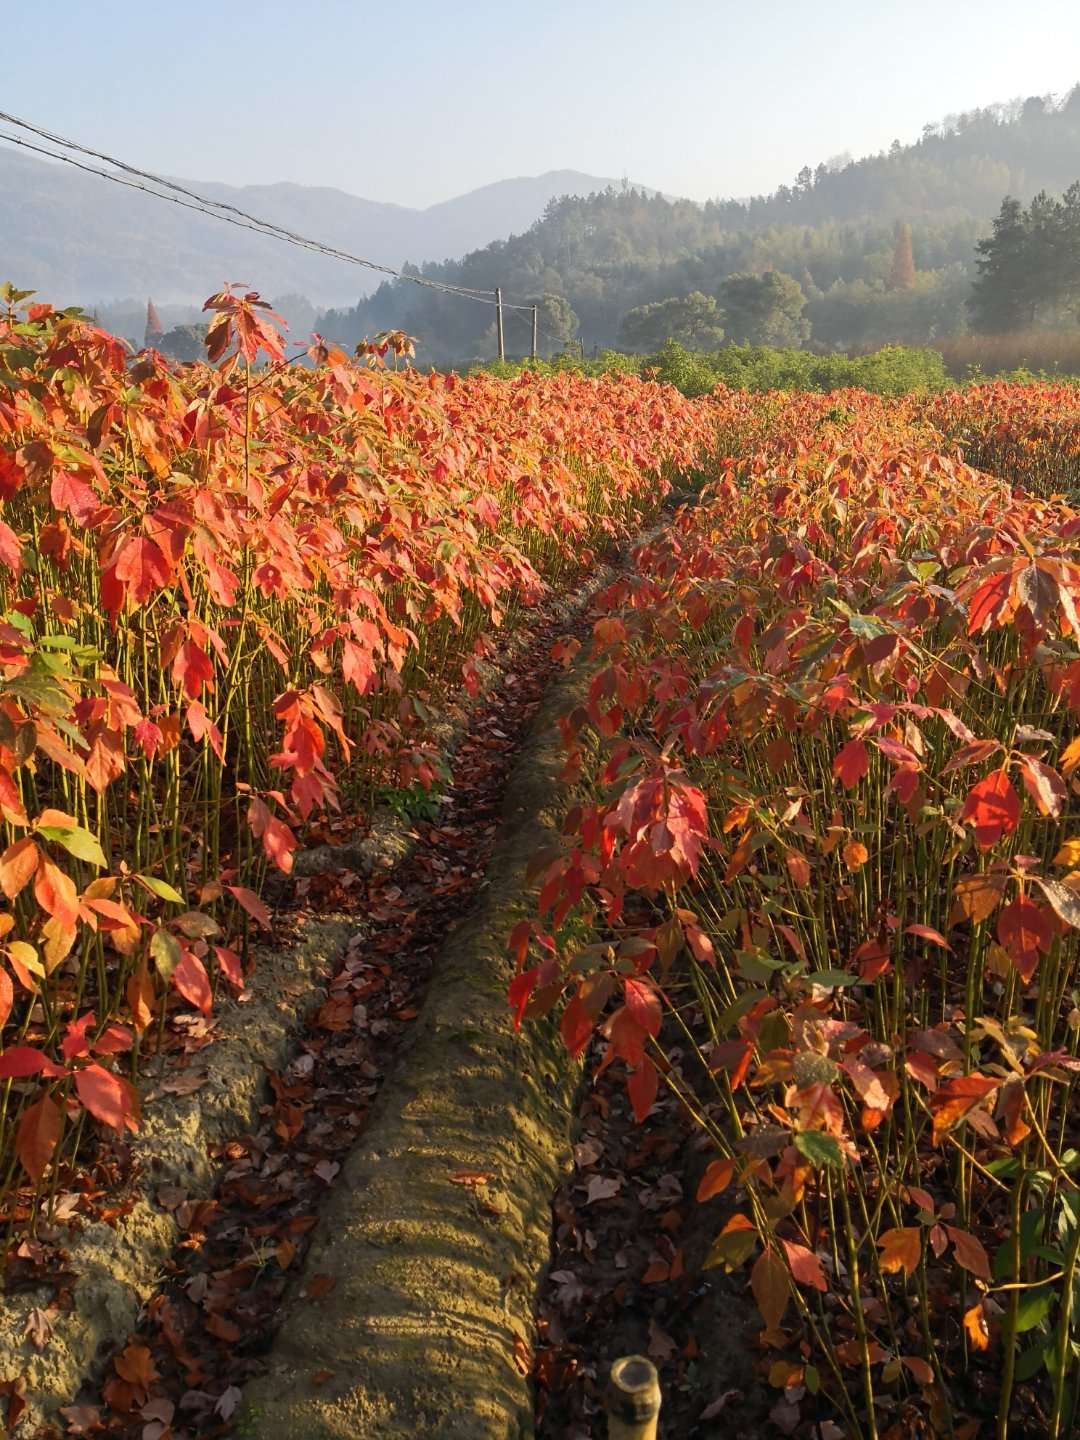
(632, 1399)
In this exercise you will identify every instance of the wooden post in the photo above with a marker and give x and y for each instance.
(499, 322)
(535, 317)
(632, 1399)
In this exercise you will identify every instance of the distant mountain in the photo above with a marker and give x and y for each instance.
(78, 239)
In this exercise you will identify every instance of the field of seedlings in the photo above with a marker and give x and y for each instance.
(821, 883)
(806, 926)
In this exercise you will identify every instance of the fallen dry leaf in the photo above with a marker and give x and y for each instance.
(472, 1177)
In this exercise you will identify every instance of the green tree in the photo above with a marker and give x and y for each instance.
(184, 342)
(557, 322)
(764, 309)
(690, 320)
(1001, 295)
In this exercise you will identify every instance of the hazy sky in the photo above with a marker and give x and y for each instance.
(418, 101)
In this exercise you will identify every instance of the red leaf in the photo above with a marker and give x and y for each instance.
(643, 1006)
(805, 1266)
(55, 892)
(927, 932)
(107, 1097)
(993, 808)
(142, 568)
(990, 604)
(229, 962)
(969, 1252)
(250, 902)
(75, 1041)
(520, 988)
(1025, 932)
(193, 669)
(38, 1136)
(69, 493)
(278, 841)
(851, 763)
(20, 1061)
(641, 1086)
(191, 979)
(10, 549)
(575, 1027)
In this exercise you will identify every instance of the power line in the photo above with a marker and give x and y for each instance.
(218, 209)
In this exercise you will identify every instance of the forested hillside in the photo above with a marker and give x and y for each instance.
(838, 230)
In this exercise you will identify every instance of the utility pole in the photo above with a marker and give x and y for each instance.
(499, 322)
(535, 309)
(581, 342)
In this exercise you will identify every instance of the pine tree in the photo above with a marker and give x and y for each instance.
(902, 274)
(154, 327)
(1001, 298)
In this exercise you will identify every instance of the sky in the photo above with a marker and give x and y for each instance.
(417, 102)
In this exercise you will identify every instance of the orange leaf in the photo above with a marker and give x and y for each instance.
(901, 1249)
(978, 1332)
(717, 1177)
(771, 1286)
(140, 997)
(55, 893)
(17, 866)
(976, 897)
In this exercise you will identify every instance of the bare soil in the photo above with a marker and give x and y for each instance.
(628, 1244)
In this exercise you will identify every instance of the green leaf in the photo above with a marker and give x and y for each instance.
(1034, 1308)
(1007, 1167)
(756, 965)
(76, 841)
(1030, 1363)
(832, 979)
(823, 1151)
(866, 627)
(166, 953)
(737, 1009)
(731, 1249)
(160, 888)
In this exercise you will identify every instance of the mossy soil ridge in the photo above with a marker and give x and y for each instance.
(440, 1227)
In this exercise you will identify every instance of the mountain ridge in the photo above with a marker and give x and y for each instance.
(77, 239)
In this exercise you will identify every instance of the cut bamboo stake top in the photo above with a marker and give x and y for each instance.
(632, 1399)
